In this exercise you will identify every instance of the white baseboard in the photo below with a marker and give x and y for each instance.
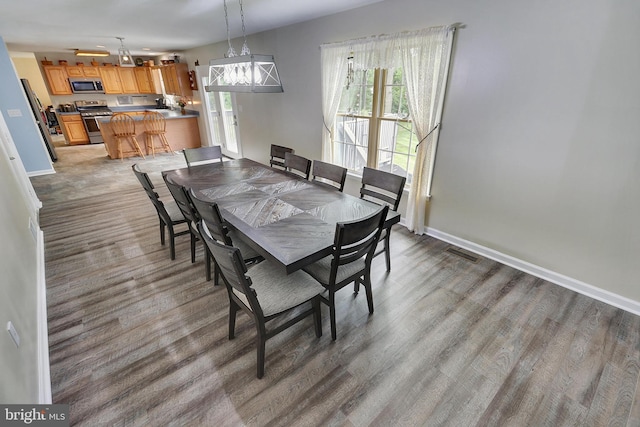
(594, 292)
(41, 172)
(44, 373)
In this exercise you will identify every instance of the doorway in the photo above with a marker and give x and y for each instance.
(221, 118)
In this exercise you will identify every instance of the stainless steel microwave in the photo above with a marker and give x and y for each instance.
(86, 85)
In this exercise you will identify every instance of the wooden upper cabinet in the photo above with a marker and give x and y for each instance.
(176, 79)
(82, 71)
(128, 80)
(147, 83)
(58, 79)
(111, 80)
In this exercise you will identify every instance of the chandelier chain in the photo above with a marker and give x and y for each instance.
(231, 52)
(245, 47)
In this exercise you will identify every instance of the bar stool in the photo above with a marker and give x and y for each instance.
(155, 125)
(124, 128)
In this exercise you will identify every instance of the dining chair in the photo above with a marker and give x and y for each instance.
(297, 165)
(353, 248)
(202, 155)
(277, 155)
(154, 129)
(383, 187)
(182, 199)
(209, 212)
(329, 175)
(124, 130)
(169, 214)
(264, 292)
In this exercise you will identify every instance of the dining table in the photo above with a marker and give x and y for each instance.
(284, 217)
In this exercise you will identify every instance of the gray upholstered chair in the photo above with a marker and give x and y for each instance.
(181, 196)
(386, 188)
(277, 155)
(329, 175)
(169, 214)
(265, 292)
(202, 155)
(209, 212)
(297, 165)
(354, 245)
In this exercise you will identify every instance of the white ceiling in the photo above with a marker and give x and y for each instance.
(163, 26)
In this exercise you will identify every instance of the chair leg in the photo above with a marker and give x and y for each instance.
(136, 146)
(161, 231)
(193, 248)
(216, 274)
(172, 242)
(387, 251)
(367, 286)
(332, 314)
(356, 286)
(207, 263)
(317, 316)
(233, 309)
(260, 342)
(165, 143)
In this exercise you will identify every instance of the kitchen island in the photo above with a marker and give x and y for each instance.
(181, 130)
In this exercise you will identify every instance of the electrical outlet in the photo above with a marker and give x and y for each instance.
(14, 334)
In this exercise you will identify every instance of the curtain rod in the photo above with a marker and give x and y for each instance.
(451, 27)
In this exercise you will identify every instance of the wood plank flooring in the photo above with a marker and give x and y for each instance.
(139, 340)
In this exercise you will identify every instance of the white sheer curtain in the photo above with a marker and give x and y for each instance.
(425, 63)
(334, 73)
(424, 56)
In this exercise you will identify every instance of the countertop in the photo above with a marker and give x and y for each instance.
(167, 113)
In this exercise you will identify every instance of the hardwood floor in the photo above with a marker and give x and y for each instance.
(137, 339)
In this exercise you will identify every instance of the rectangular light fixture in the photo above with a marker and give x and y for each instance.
(92, 52)
(245, 73)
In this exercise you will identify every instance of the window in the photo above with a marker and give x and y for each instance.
(373, 127)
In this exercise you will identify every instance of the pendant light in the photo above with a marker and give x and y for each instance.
(124, 56)
(245, 72)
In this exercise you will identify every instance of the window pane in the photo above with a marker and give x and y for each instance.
(396, 148)
(357, 99)
(395, 98)
(351, 137)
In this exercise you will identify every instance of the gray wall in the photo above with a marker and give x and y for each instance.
(538, 154)
(19, 276)
(23, 129)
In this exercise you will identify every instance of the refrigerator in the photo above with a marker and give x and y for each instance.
(41, 118)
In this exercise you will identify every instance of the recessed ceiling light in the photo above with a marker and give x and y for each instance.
(100, 46)
(146, 48)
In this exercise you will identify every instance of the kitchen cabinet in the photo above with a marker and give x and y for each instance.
(176, 79)
(128, 80)
(146, 80)
(73, 129)
(111, 80)
(57, 79)
(82, 71)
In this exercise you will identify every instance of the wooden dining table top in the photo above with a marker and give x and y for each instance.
(284, 217)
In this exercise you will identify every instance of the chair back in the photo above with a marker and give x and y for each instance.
(293, 162)
(277, 155)
(382, 186)
(151, 193)
(323, 172)
(122, 124)
(357, 239)
(154, 122)
(183, 200)
(209, 212)
(202, 154)
(232, 269)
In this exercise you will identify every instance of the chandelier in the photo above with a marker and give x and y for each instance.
(245, 72)
(124, 56)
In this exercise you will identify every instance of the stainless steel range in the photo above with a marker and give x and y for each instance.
(92, 112)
